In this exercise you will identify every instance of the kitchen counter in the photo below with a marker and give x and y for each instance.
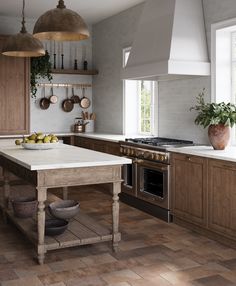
(99, 136)
(229, 154)
(63, 156)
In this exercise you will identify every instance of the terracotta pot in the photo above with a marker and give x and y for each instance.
(219, 136)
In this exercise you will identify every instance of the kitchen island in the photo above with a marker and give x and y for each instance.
(62, 167)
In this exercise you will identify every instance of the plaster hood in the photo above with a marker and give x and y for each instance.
(170, 42)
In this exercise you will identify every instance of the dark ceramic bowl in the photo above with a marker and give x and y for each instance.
(24, 207)
(64, 209)
(55, 226)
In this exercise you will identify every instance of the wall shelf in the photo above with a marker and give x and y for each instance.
(71, 71)
(76, 85)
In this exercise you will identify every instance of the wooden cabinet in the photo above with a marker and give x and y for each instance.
(98, 145)
(189, 188)
(222, 197)
(14, 94)
(204, 196)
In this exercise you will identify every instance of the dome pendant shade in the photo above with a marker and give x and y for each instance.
(23, 45)
(61, 24)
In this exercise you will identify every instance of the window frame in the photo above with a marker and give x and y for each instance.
(227, 24)
(153, 117)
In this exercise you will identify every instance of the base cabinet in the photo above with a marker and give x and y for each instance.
(222, 197)
(204, 196)
(109, 147)
(189, 188)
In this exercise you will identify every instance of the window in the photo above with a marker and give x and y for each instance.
(138, 104)
(223, 59)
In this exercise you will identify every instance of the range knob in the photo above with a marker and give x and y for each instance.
(132, 153)
(139, 153)
(146, 155)
(157, 157)
(128, 151)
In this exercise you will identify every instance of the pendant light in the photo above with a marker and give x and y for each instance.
(61, 24)
(23, 44)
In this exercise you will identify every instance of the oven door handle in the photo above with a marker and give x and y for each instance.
(157, 166)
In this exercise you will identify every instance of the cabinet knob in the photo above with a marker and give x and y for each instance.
(188, 158)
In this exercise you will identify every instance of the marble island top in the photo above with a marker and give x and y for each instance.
(63, 156)
(229, 154)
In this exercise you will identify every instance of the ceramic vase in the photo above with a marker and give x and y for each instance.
(219, 136)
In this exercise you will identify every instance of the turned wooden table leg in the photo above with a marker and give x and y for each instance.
(65, 193)
(42, 196)
(6, 193)
(115, 215)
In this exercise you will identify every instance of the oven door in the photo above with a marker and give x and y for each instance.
(153, 182)
(129, 177)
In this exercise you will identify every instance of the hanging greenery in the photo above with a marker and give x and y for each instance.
(40, 68)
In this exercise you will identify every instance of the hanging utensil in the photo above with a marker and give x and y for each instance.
(75, 98)
(67, 104)
(84, 101)
(44, 102)
(53, 98)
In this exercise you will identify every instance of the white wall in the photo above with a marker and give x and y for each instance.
(55, 119)
(109, 38)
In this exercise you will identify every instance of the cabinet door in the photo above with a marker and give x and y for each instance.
(222, 197)
(14, 94)
(188, 190)
(84, 143)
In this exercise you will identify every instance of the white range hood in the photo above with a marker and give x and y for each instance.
(170, 42)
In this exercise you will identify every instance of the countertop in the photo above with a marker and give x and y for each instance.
(63, 156)
(99, 136)
(229, 154)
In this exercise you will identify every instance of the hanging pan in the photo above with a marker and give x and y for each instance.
(53, 98)
(84, 101)
(44, 102)
(67, 104)
(75, 98)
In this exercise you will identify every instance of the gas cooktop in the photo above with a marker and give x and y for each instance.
(159, 142)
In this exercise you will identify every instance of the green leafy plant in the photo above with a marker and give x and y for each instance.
(40, 68)
(214, 113)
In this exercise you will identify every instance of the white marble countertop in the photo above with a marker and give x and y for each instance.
(229, 154)
(63, 156)
(99, 136)
(107, 137)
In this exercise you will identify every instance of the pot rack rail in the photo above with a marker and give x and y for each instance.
(76, 85)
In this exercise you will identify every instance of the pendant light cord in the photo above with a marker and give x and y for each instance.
(23, 29)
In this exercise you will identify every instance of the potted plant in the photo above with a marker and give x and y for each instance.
(218, 117)
(40, 68)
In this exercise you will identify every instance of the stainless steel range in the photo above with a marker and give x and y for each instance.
(147, 178)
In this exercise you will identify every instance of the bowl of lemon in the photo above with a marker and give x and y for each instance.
(38, 141)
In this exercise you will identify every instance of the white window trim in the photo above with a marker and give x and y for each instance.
(154, 115)
(214, 27)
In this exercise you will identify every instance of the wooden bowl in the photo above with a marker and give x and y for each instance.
(55, 226)
(64, 209)
(24, 207)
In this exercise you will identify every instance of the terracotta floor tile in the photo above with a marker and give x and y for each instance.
(8, 274)
(120, 276)
(215, 280)
(27, 281)
(98, 259)
(151, 253)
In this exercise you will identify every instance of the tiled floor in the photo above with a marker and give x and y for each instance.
(151, 253)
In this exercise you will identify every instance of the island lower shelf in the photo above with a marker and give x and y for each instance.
(82, 230)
